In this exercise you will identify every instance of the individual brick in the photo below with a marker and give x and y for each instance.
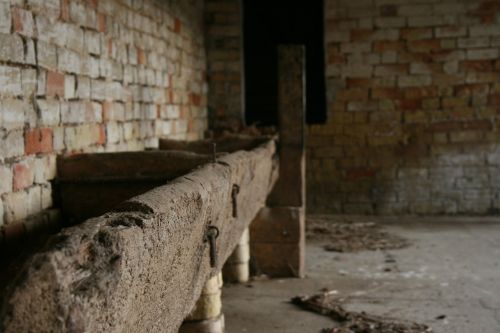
(46, 7)
(414, 9)
(5, 179)
(424, 68)
(82, 15)
(41, 82)
(425, 21)
(453, 31)
(15, 206)
(338, 36)
(46, 196)
(362, 106)
(416, 33)
(68, 61)
(12, 144)
(387, 93)
(113, 132)
(355, 47)
(30, 53)
(73, 37)
(164, 128)
(83, 87)
(50, 113)
(384, 46)
(46, 55)
(451, 67)
(64, 15)
(69, 87)
(92, 42)
(28, 81)
(113, 111)
(476, 42)
(448, 55)
(466, 136)
(45, 169)
(454, 102)
(38, 140)
(11, 48)
(34, 200)
(10, 81)
(101, 22)
(449, 8)
(141, 56)
(5, 17)
(12, 113)
(414, 81)
(481, 54)
(23, 174)
(355, 71)
(55, 84)
(390, 22)
(484, 30)
(58, 138)
(428, 45)
(22, 22)
(391, 70)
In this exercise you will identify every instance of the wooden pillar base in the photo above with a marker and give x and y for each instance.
(277, 241)
(236, 269)
(278, 233)
(214, 325)
(206, 316)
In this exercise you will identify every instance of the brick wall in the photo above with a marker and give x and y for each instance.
(92, 76)
(414, 99)
(225, 62)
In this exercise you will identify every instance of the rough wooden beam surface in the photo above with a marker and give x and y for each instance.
(141, 267)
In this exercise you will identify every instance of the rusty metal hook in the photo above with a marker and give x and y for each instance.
(211, 236)
(214, 152)
(234, 193)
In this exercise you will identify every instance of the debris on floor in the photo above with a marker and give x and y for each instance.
(351, 236)
(354, 322)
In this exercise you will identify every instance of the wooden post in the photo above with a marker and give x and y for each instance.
(206, 317)
(236, 269)
(278, 232)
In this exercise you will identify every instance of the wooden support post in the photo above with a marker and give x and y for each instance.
(207, 317)
(278, 233)
(236, 269)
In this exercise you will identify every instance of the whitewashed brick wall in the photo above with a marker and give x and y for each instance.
(92, 76)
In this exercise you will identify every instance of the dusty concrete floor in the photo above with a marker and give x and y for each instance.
(452, 269)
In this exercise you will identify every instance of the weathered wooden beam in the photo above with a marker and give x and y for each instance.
(141, 267)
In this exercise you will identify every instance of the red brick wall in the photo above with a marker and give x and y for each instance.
(414, 101)
(92, 76)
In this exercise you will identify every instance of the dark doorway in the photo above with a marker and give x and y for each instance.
(266, 25)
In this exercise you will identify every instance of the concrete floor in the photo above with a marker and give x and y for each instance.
(452, 269)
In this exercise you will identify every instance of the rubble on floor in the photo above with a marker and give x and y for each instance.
(351, 236)
(354, 322)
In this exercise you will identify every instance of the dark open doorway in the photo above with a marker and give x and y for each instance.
(267, 24)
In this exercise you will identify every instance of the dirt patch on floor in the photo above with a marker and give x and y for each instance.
(349, 235)
(354, 322)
